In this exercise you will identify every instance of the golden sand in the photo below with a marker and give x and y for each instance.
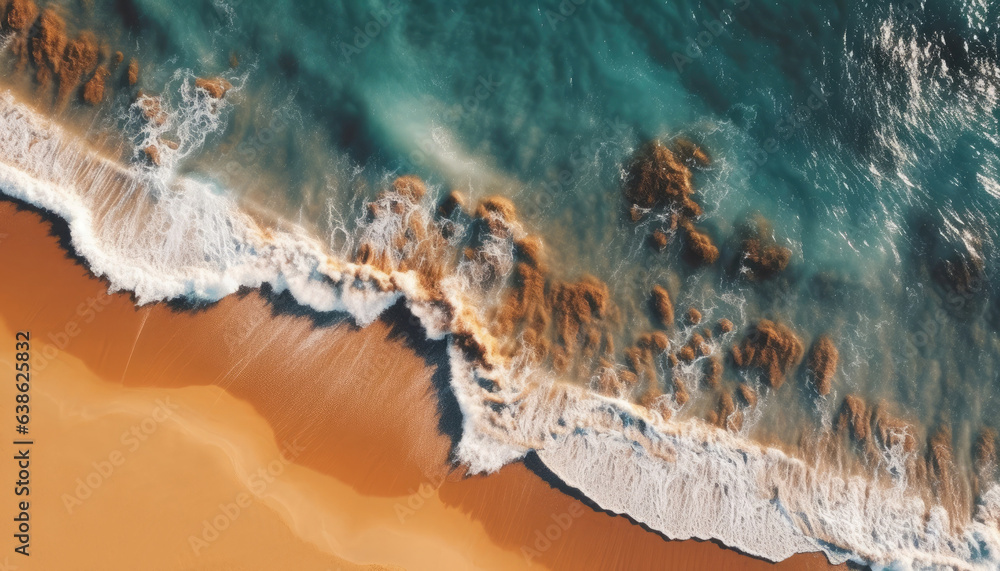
(348, 422)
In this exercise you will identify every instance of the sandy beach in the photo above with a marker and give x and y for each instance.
(249, 434)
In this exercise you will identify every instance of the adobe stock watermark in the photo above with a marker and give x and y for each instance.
(545, 538)
(787, 126)
(260, 144)
(418, 498)
(132, 439)
(565, 10)
(428, 145)
(59, 340)
(228, 512)
(579, 155)
(927, 331)
(712, 29)
(365, 34)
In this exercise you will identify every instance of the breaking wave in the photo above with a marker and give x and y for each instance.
(161, 235)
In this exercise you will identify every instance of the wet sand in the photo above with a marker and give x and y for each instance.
(363, 419)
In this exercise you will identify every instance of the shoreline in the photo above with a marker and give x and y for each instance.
(155, 335)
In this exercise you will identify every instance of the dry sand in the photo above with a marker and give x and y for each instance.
(355, 425)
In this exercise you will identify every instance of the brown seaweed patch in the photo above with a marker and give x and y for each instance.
(698, 345)
(657, 177)
(607, 381)
(640, 361)
(822, 363)
(747, 394)
(416, 245)
(686, 354)
(891, 432)
(525, 304)
(21, 14)
(770, 347)
(658, 240)
(855, 417)
(576, 306)
(407, 186)
(726, 415)
(725, 326)
(153, 154)
(47, 46)
(763, 257)
(984, 451)
(947, 484)
(713, 371)
(133, 71)
(530, 250)
(681, 394)
(452, 203)
(984, 456)
(498, 213)
(151, 108)
(93, 90)
(216, 87)
(662, 307)
(80, 59)
(497, 205)
(699, 249)
(691, 153)
(693, 316)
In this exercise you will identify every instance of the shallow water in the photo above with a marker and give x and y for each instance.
(866, 133)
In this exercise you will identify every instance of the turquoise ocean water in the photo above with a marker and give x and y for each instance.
(865, 132)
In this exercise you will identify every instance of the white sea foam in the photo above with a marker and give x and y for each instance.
(163, 236)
